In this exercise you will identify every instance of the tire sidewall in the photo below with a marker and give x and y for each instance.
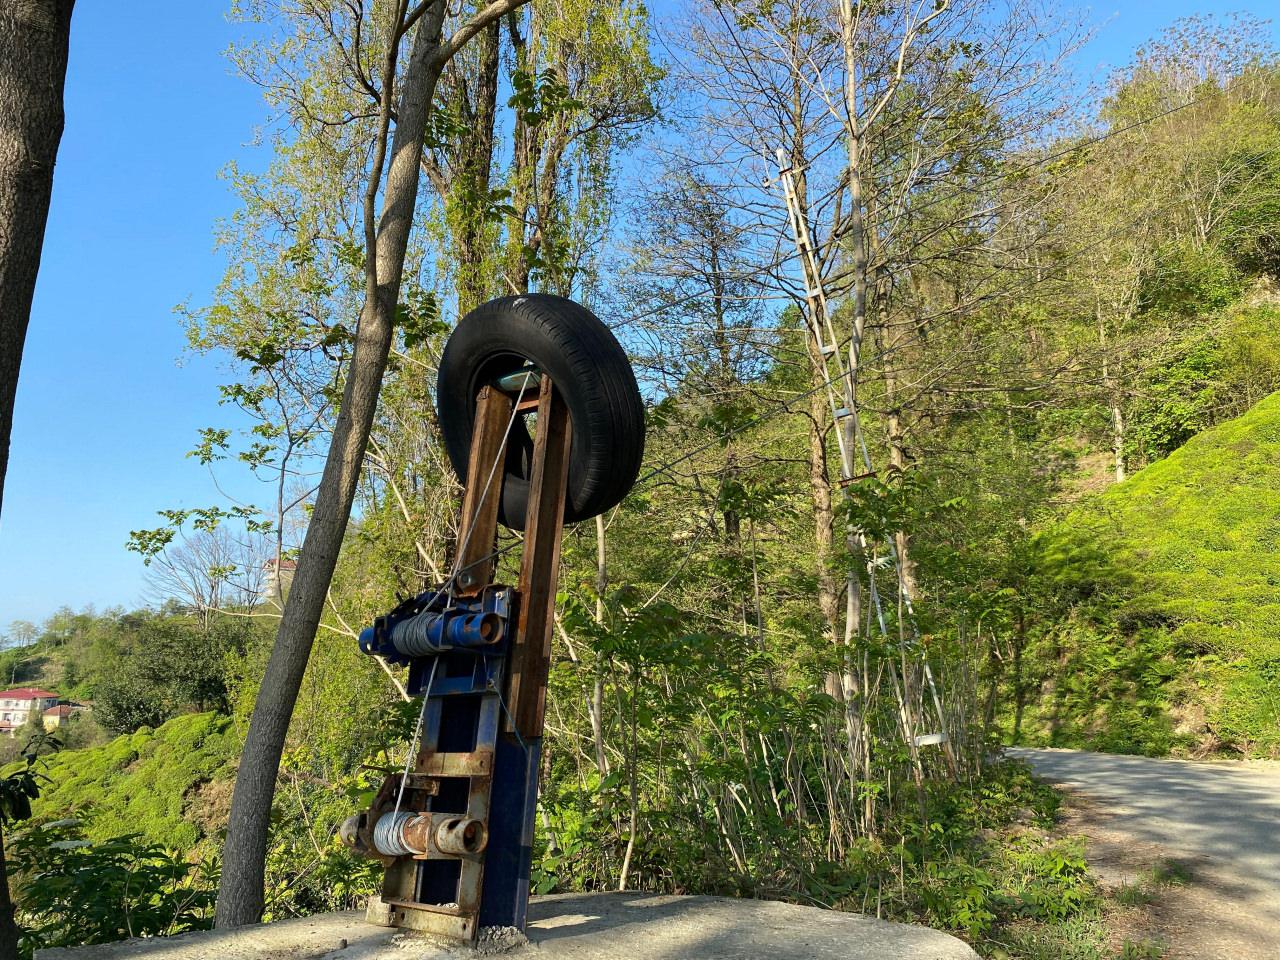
(484, 345)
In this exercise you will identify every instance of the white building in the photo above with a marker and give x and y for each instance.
(16, 706)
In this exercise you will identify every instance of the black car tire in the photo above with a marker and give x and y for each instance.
(589, 369)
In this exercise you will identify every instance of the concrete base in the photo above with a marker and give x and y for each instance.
(591, 926)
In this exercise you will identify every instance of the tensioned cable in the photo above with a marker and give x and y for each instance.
(493, 470)
(417, 734)
(925, 205)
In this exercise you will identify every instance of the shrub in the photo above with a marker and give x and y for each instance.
(71, 891)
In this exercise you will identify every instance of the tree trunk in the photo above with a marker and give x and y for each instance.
(595, 706)
(897, 468)
(1019, 687)
(823, 519)
(34, 36)
(524, 158)
(1112, 389)
(240, 897)
(472, 174)
(1117, 435)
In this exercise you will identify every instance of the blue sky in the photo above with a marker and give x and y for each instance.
(108, 400)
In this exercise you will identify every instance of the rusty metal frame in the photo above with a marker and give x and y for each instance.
(509, 709)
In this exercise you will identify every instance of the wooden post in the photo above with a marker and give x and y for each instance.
(474, 767)
(540, 564)
(480, 501)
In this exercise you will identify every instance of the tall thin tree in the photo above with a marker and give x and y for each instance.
(34, 38)
(395, 167)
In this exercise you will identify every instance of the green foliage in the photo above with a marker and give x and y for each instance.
(1181, 399)
(1170, 873)
(710, 728)
(1188, 279)
(1140, 950)
(173, 664)
(1132, 895)
(536, 99)
(1186, 652)
(70, 891)
(148, 780)
(1082, 938)
(139, 668)
(1213, 376)
(1022, 878)
(20, 785)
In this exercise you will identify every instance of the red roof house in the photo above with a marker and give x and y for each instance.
(28, 693)
(18, 705)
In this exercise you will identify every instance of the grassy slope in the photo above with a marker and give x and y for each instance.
(41, 664)
(1204, 525)
(1200, 532)
(161, 783)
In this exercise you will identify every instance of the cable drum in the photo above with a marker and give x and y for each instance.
(590, 371)
(389, 834)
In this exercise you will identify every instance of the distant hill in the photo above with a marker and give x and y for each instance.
(40, 664)
(1185, 653)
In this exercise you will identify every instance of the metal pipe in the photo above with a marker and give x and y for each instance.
(461, 836)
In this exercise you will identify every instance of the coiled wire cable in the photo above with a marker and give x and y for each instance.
(388, 835)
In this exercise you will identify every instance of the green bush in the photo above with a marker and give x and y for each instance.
(144, 780)
(69, 890)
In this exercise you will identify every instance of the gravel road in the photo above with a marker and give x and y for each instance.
(1221, 817)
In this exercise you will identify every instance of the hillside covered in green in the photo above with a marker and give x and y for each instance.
(1173, 641)
(170, 784)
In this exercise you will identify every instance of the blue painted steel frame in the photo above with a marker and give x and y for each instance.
(504, 901)
(508, 857)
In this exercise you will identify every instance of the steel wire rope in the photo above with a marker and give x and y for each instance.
(417, 734)
(1041, 161)
(484, 492)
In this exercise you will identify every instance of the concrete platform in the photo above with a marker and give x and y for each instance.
(592, 926)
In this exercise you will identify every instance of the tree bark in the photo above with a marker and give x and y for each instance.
(524, 158)
(1019, 687)
(823, 519)
(240, 898)
(897, 469)
(473, 171)
(34, 36)
(595, 706)
(1111, 387)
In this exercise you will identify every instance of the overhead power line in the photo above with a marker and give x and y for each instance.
(755, 272)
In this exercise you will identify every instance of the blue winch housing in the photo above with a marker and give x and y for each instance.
(436, 622)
